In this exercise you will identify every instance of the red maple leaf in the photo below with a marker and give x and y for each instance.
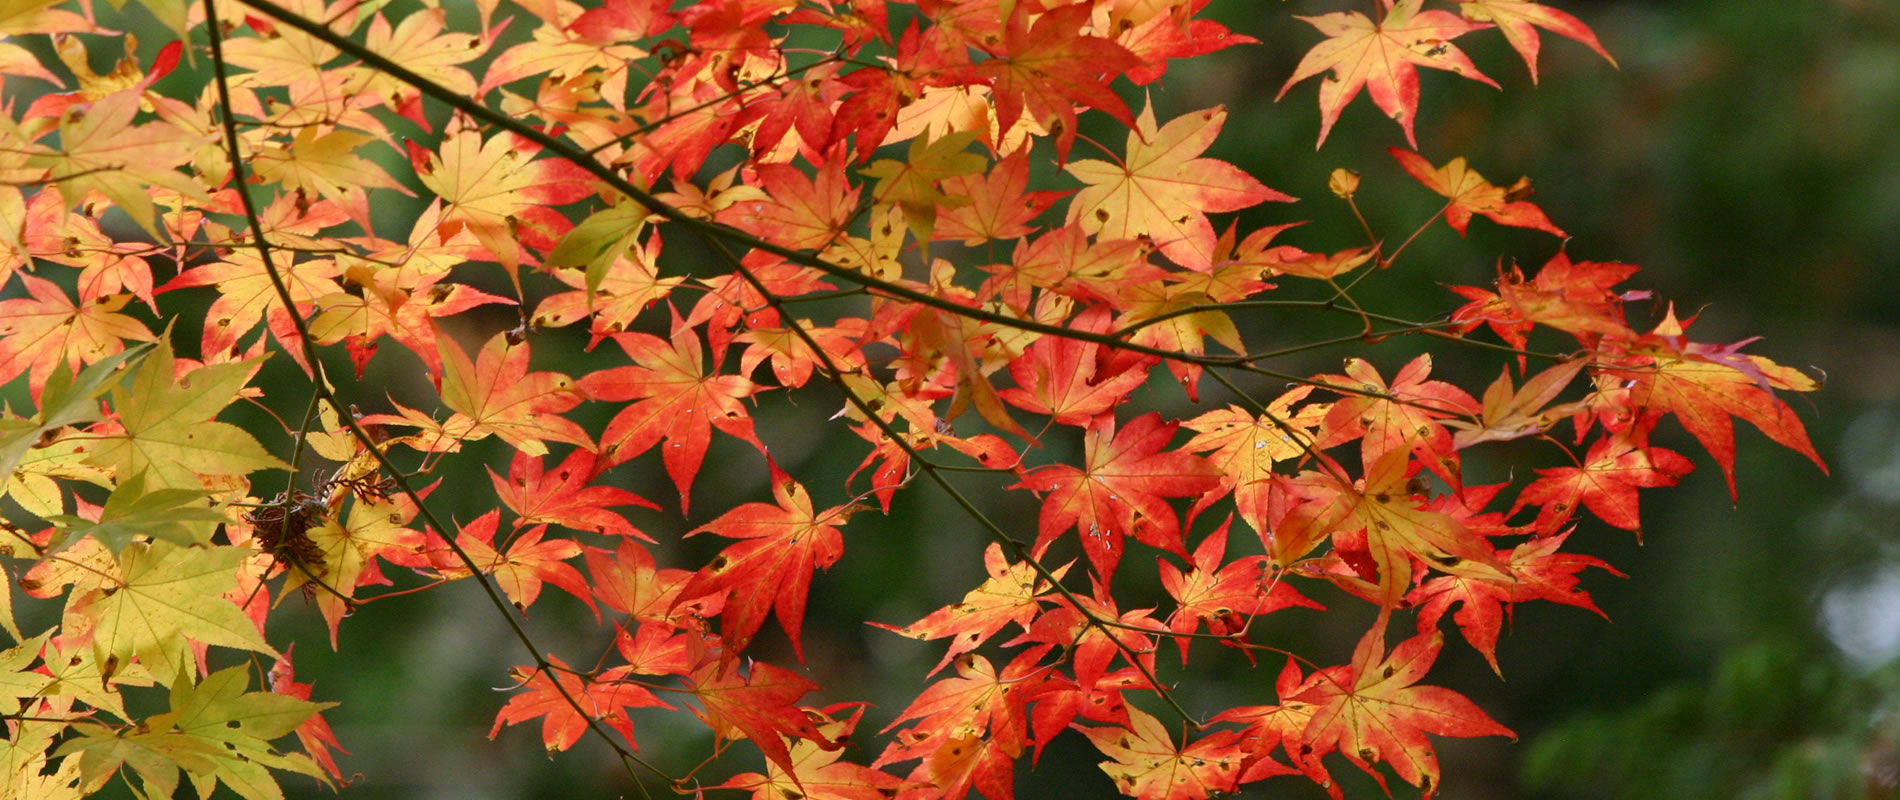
(770, 568)
(1407, 415)
(1573, 297)
(1538, 571)
(979, 701)
(1056, 375)
(562, 497)
(1705, 385)
(629, 582)
(526, 564)
(1051, 68)
(1614, 469)
(1120, 490)
(604, 699)
(675, 399)
(1225, 597)
(756, 703)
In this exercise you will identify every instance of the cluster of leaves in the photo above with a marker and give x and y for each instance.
(871, 162)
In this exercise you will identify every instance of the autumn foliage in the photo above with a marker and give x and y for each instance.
(893, 213)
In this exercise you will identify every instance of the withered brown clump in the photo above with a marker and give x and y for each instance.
(284, 529)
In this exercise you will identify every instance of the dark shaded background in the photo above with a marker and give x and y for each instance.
(1746, 153)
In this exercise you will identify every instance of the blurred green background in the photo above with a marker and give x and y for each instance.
(1746, 153)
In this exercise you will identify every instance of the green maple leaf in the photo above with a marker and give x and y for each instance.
(179, 516)
(163, 596)
(216, 731)
(169, 431)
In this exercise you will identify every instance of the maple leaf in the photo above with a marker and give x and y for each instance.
(564, 721)
(612, 296)
(1050, 68)
(215, 730)
(1379, 528)
(756, 703)
(1519, 21)
(102, 150)
(1471, 194)
(349, 551)
(629, 581)
(160, 597)
(1383, 57)
(1371, 710)
(168, 430)
(521, 571)
(247, 295)
(1513, 414)
(1614, 469)
(562, 496)
(178, 516)
(39, 333)
(314, 732)
(1164, 190)
(1011, 594)
(817, 773)
(802, 211)
(1120, 490)
(1147, 764)
(497, 394)
(1573, 297)
(1406, 415)
(1705, 385)
(911, 184)
(998, 204)
(495, 190)
(1057, 375)
(1538, 571)
(325, 164)
(676, 400)
(771, 568)
(1225, 597)
(980, 702)
(1245, 448)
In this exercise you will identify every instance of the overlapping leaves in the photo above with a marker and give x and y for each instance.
(902, 229)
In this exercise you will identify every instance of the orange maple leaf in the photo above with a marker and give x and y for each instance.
(1163, 189)
(1471, 194)
(527, 563)
(497, 394)
(561, 496)
(1705, 385)
(1370, 710)
(1149, 765)
(1383, 57)
(1519, 21)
